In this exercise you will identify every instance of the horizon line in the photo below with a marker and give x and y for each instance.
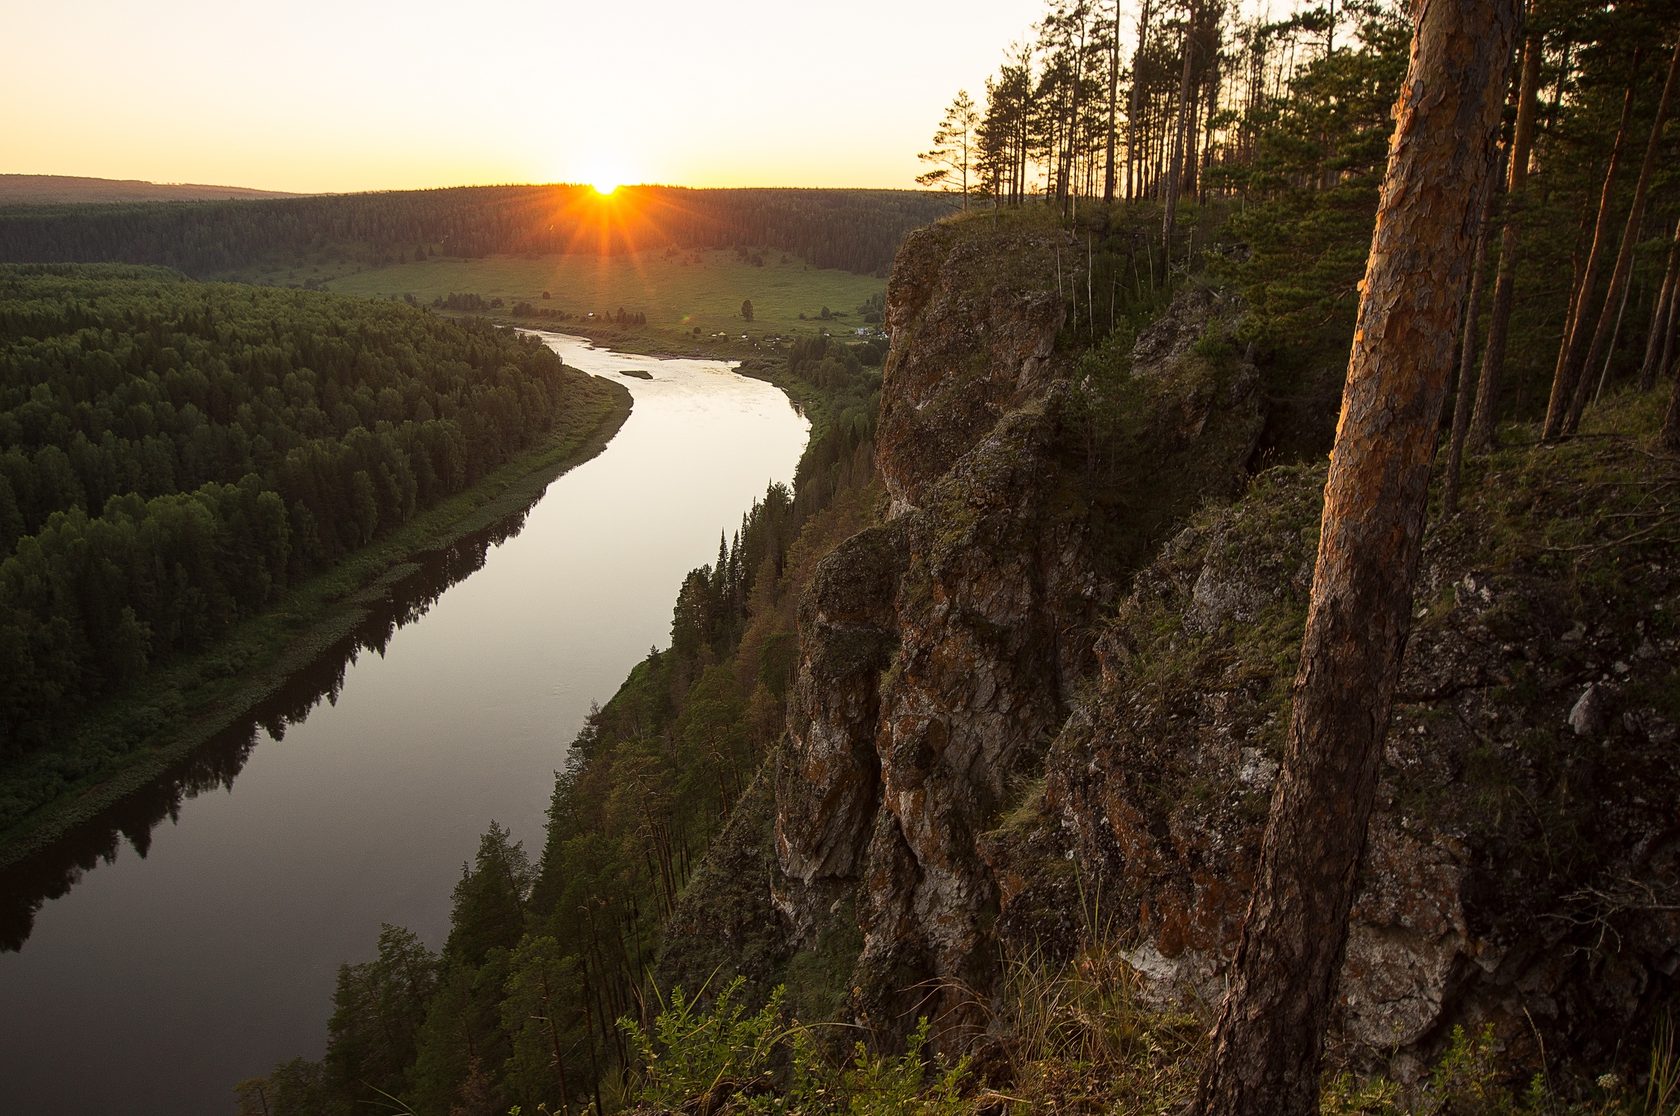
(456, 186)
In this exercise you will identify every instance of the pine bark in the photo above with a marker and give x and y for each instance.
(1467, 356)
(1113, 105)
(1134, 106)
(1268, 1043)
(1572, 349)
(1671, 338)
(1213, 79)
(1658, 344)
(1516, 183)
(1175, 158)
(1610, 316)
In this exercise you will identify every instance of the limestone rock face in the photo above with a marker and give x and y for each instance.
(1047, 684)
(974, 322)
(937, 650)
(992, 610)
(1515, 872)
(828, 789)
(940, 652)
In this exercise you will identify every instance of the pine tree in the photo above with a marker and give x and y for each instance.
(1516, 182)
(1610, 315)
(953, 151)
(1268, 1042)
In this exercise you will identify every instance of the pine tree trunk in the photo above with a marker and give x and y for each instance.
(1175, 157)
(1499, 316)
(1070, 138)
(1113, 106)
(1467, 355)
(1671, 342)
(1189, 180)
(1269, 1040)
(1610, 316)
(554, 1040)
(1572, 349)
(1671, 338)
(1552, 107)
(1662, 319)
(1134, 149)
(1609, 351)
(1212, 79)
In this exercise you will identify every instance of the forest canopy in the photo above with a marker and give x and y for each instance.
(174, 454)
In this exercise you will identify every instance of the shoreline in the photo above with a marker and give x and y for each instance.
(217, 688)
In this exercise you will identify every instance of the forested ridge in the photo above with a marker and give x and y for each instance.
(854, 230)
(1174, 148)
(174, 455)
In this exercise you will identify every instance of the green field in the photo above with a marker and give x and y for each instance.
(679, 291)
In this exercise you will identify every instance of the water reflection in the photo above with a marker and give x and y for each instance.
(51, 872)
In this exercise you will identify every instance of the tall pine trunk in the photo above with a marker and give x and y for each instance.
(1113, 105)
(1134, 105)
(1610, 316)
(1467, 356)
(1212, 80)
(1661, 339)
(1175, 157)
(1572, 349)
(1269, 1039)
(1516, 182)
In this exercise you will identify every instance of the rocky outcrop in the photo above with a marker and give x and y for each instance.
(1523, 866)
(990, 749)
(974, 320)
(940, 651)
(935, 649)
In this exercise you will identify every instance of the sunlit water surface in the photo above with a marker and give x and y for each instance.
(196, 931)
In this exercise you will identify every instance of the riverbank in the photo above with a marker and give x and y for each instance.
(174, 711)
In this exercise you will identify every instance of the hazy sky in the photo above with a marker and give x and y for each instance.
(339, 95)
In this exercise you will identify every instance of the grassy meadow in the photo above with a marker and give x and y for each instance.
(679, 290)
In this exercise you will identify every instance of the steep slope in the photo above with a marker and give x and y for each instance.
(1046, 691)
(941, 651)
(1523, 865)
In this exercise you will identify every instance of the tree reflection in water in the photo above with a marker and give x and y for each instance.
(56, 868)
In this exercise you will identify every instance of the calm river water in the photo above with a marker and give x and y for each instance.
(191, 938)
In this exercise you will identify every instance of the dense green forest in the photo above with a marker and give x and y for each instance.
(1216, 153)
(854, 230)
(174, 455)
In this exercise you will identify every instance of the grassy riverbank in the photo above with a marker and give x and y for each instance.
(131, 738)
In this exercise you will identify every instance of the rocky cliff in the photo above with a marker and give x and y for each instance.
(1053, 681)
(942, 650)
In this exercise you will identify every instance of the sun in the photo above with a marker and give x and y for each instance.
(605, 187)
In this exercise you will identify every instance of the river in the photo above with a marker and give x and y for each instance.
(191, 936)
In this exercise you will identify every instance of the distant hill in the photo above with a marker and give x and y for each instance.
(62, 189)
(854, 230)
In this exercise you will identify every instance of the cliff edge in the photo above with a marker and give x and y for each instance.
(1045, 695)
